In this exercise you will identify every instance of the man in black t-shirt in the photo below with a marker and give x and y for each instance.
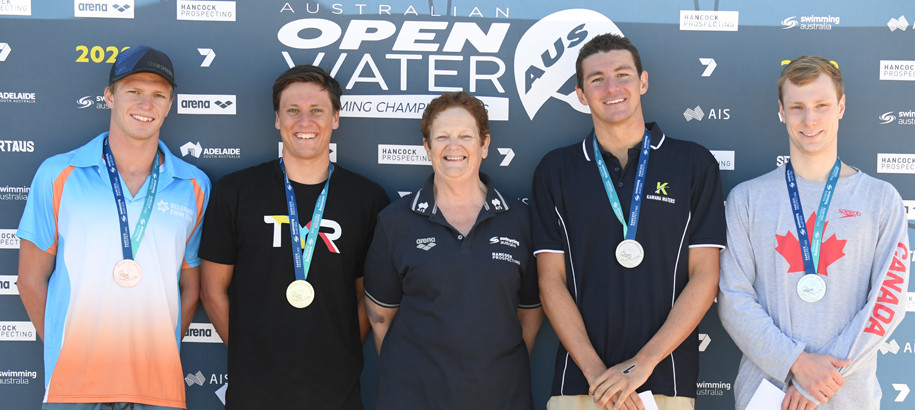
(293, 299)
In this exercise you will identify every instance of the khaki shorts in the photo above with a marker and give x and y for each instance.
(584, 402)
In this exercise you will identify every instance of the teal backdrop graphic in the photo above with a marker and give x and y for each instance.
(712, 68)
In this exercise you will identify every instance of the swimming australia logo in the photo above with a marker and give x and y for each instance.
(887, 117)
(504, 240)
(425, 243)
(545, 57)
(789, 23)
(811, 22)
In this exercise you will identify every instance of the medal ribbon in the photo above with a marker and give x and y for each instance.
(811, 252)
(302, 261)
(629, 230)
(130, 243)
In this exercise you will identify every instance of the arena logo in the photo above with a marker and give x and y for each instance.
(411, 44)
(897, 70)
(16, 7)
(900, 24)
(713, 114)
(205, 10)
(704, 388)
(8, 239)
(896, 163)
(17, 332)
(725, 159)
(110, 9)
(17, 97)
(13, 193)
(201, 333)
(546, 53)
(898, 117)
(811, 22)
(206, 104)
(9, 285)
(196, 150)
(402, 155)
(89, 101)
(18, 376)
(17, 146)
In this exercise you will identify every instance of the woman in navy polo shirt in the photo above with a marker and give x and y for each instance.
(451, 279)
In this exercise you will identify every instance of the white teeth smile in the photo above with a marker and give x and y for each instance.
(616, 101)
(454, 158)
(305, 135)
(141, 118)
(810, 134)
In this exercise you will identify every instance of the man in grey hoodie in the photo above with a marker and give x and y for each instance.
(810, 314)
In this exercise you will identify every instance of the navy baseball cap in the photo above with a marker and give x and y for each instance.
(142, 59)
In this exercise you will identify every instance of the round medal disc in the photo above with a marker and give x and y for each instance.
(300, 294)
(127, 273)
(629, 253)
(811, 288)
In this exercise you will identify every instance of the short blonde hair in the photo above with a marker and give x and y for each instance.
(806, 69)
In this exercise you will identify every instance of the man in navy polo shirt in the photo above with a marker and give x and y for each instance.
(624, 298)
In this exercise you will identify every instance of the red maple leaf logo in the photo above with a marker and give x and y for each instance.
(830, 251)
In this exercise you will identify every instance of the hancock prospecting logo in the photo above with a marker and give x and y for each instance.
(546, 54)
(16, 7)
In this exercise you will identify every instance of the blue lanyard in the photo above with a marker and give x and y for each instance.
(811, 252)
(629, 230)
(302, 261)
(130, 244)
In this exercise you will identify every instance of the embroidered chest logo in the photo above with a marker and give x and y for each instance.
(504, 240)
(425, 243)
(661, 188)
(848, 213)
(831, 250)
(497, 204)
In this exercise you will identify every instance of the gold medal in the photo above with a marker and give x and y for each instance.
(127, 273)
(300, 294)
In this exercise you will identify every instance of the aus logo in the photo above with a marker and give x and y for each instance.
(546, 54)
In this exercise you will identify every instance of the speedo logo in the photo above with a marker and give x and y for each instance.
(206, 104)
(425, 243)
(545, 57)
(112, 9)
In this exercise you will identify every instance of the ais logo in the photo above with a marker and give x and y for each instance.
(546, 54)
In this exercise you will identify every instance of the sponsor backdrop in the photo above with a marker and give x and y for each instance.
(712, 64)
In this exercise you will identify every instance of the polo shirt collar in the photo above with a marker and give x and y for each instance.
(657, 139)
(90, 155)
(424, 200)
